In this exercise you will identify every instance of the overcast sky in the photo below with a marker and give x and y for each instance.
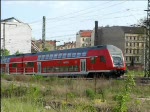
(65, 18)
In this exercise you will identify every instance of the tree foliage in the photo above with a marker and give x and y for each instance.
(45, 49)
(5, 52)
(17, 52)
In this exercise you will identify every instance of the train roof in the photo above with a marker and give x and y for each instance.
(109, 47)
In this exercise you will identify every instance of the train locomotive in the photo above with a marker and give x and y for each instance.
(106, 60)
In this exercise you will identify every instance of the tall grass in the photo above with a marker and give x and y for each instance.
(67, 95)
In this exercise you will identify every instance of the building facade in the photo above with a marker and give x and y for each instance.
(68, 45)
(83, 38)
(134, 49)
(129, 39)
(15, 36)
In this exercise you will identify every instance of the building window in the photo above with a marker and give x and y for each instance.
(82, 45)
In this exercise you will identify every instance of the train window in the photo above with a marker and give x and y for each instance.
(76, 68)
(44, 70)
(78, 54)
(93, 60)
(61, 69)
(84, 54)
(70, 68)
(47, 56)
(69, 55)
(51, 56)
(64, 55)
(43, 56)
(8, 60)
(57, 69)
(55, 56)
(14, 65)
(73, 55)
(66, 69)
(102, 59)
(39, 57)
(60, 55)
(30, 64)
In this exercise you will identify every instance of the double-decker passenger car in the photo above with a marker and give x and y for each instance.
(101, 60)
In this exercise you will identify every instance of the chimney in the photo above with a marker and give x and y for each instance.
(96, 34)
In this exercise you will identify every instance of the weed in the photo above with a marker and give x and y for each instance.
(90, 93)
(124, 97)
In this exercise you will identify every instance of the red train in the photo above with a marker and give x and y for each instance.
(105, 60)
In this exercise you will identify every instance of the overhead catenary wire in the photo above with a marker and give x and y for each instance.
(92, 16)
(54, 18)
(87, 12)
(102, 18)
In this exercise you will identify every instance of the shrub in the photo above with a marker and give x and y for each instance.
(90, 93)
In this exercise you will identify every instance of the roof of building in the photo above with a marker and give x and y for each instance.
(86, 34)
(12, 19)
(126, 29)
(133, 30)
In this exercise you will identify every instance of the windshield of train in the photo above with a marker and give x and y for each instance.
(117, 60)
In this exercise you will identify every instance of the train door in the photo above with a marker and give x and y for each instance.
(7, 68)
(83, 65)
(39, 67)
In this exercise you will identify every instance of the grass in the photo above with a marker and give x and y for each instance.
(16, 105)
(33, 94)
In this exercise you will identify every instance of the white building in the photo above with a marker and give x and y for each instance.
(16, 35)
(83, 38)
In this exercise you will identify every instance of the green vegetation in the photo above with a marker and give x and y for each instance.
(5, 52)
(17, 53)
(24, 93)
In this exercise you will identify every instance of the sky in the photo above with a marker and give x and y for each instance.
(65, 18)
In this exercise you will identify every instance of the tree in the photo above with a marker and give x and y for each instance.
(17, 52)
(142, 22)
(45, 49)
(5, 52)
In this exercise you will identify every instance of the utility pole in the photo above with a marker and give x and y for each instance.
(96, 34)
(3, 47)
(43, 33)
(147, 44)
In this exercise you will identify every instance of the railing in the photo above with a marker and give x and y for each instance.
(35, 47)
(21, 70)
